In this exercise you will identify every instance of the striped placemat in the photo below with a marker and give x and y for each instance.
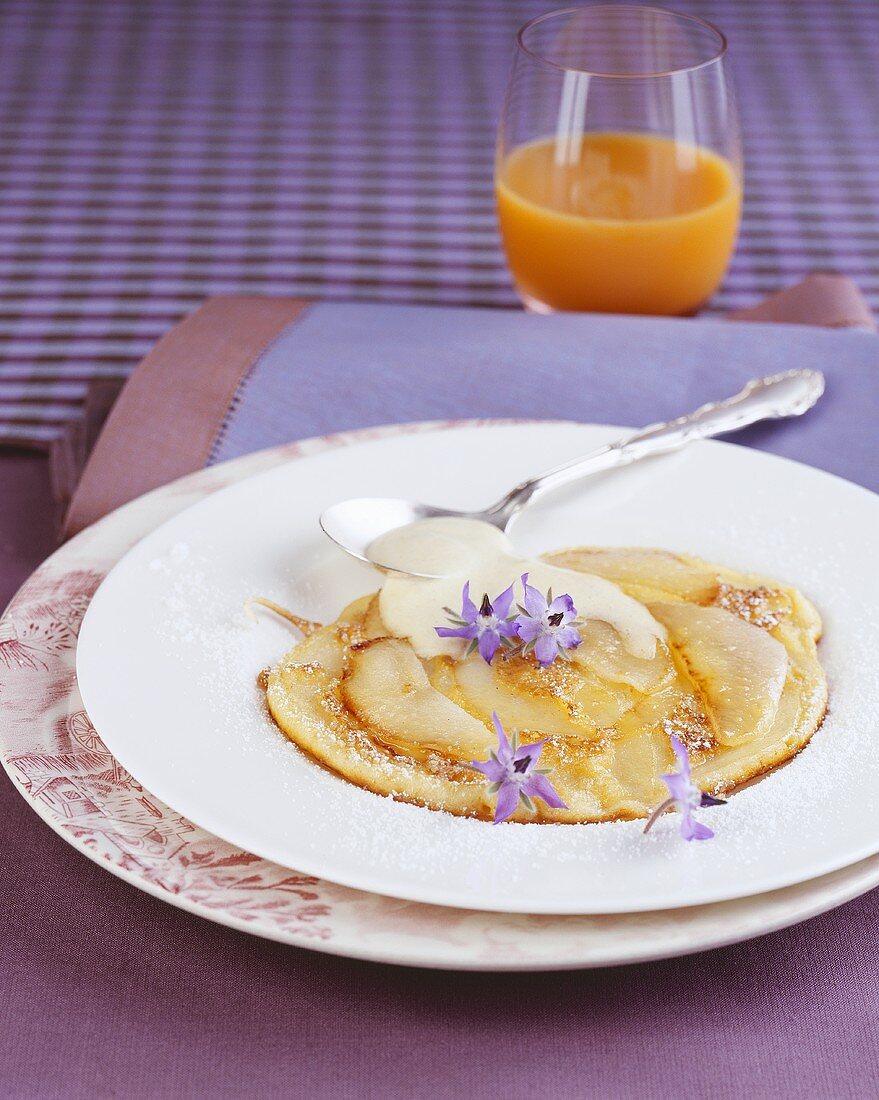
(155, 153)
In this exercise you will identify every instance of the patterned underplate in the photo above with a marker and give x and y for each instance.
(58, 762)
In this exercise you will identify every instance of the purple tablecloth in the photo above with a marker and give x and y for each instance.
(108, 992)
(156, 152)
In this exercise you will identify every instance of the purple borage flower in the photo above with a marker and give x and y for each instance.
(547, 625)
(487, 626)
(515, 776)
(685, 796)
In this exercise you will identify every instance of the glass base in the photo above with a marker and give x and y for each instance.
(534, 305)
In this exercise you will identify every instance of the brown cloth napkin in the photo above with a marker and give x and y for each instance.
(831, 301)
(184, 388)
(167, 417)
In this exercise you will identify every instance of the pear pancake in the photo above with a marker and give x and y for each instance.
(736, 677)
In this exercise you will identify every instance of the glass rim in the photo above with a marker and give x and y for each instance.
(541, 59)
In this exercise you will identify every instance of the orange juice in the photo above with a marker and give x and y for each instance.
(615, 222)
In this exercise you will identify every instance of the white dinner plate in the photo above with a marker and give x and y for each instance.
(167, 662)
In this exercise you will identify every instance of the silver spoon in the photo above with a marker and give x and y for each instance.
(355, 524)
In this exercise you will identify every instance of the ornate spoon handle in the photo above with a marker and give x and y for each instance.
(779, 395)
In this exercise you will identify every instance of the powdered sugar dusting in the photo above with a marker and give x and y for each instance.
(225, 650)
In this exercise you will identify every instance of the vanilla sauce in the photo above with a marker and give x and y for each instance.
(461, 550)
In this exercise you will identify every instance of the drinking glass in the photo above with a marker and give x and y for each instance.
(619, 167)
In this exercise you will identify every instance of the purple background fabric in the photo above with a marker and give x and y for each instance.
(155, 152)
(107, 992)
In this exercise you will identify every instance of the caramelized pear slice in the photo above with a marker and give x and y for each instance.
(589, 700)
(387, 689)
(602, 652)
(373, 627)
(737, 669)
(646, 574)
(322, 650)
(518, 691)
